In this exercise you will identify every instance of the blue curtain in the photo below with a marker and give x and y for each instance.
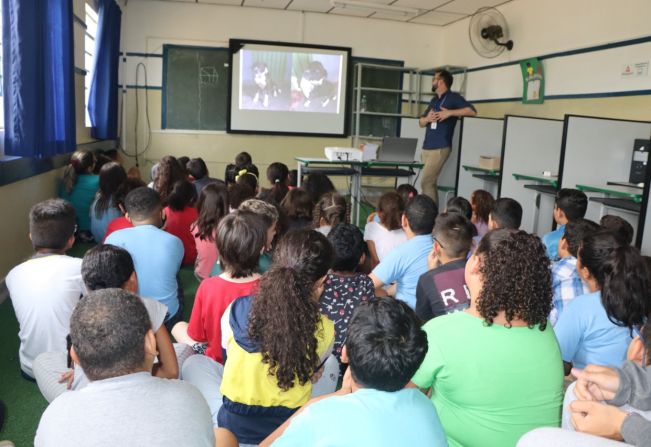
(103, 99)
(39, 84)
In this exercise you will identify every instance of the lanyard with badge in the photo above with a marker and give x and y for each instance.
(439, 105)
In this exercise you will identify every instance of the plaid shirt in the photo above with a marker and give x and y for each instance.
(566, 285)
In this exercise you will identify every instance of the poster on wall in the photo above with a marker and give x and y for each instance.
(533, 81)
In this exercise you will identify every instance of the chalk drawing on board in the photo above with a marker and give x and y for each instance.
(208, 76)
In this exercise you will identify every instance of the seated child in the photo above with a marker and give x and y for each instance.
(269, 215)
(277, 174)
(212, 206)
(595, 328)
(442, 290)
(566, 282)
(113, 342)
(242, 161)
(619, 226)
(386, 234)
(45, 289)
(345, 289)
(79, 187)
(276, 343)
(461, 206)
(408, 261)
(292, 179)
(238, 193)
(104, 208)
(330, 210)
(316, 185)
(602, 404)
(121, 222)
(169, 172)
(180, 214)
(249, 179)
(482, 204)
(407, 192)
(106, 267)
(484, 396)
(156, 254)
(198, 174)
(241, 238)
(373, 407)
(506, 213)
(570, 204)
(298, 206)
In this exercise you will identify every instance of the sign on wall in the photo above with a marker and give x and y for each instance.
(533, 81)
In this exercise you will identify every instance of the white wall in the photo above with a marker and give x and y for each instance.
(543, 27)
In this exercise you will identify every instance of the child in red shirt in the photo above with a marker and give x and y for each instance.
(241, 238)
(180, 214)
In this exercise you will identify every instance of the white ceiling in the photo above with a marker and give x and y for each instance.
(428, 12)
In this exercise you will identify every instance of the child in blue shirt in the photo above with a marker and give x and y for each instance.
(408, 261)
(566, 282)
(157, 255)
(570, 204)
(596, 328)
(373, 407)
(78, 187)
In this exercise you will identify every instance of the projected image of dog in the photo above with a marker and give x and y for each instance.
(315, 86)
(266, 86)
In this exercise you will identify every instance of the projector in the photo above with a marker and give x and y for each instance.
(343, 154)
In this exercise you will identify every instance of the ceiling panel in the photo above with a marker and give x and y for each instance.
(223, 2)
(425, 5)
(468, 6)
(438, 18)
(276, 4)
(351, 12)
(310, 5)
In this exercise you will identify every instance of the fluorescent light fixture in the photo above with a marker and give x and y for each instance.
(367, 6)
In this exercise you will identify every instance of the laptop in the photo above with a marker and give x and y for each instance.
(398, 149)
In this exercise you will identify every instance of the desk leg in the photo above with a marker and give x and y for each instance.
(357, 179)
(299, 174)
(536, 212)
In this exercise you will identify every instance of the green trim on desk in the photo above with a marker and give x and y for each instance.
(635, 197)
(411, 164)
(306, 161)
(544, 180)
(446, 188)
(493, 172)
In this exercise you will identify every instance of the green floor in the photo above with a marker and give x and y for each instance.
(22, 398)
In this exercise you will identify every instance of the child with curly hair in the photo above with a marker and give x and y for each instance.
(504, 338)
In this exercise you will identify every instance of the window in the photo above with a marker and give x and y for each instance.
(89, 53)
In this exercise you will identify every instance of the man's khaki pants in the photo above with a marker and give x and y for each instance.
(434, 159)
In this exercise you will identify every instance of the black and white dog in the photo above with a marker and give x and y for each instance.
(265, 85)
(315, 86)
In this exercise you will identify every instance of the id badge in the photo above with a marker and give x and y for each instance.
(433, 125)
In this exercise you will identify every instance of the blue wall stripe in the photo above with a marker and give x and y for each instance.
(606, 46)
(135, 54)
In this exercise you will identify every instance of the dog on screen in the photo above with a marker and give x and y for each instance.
(266, 86)
(315, 86)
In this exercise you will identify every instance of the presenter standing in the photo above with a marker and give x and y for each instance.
(439, 120)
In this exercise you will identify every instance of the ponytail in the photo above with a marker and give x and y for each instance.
(622, 275)
(277, 174)
(626, 292)
(333, 208)
(284, 320)
(80, 163)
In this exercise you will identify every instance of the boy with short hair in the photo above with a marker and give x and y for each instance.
(113, 342)
(345, 288)
(506, 213)
(442, 290)
(566, 282)
(156, 254)
(571, 204)
(45, 289)
(384, 348)
(408, 261)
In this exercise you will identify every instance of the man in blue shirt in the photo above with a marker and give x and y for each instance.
(384, 347)
(408, 261)
(156, 254)
(439, 120)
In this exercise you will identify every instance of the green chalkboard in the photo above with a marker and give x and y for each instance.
(195, 87)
